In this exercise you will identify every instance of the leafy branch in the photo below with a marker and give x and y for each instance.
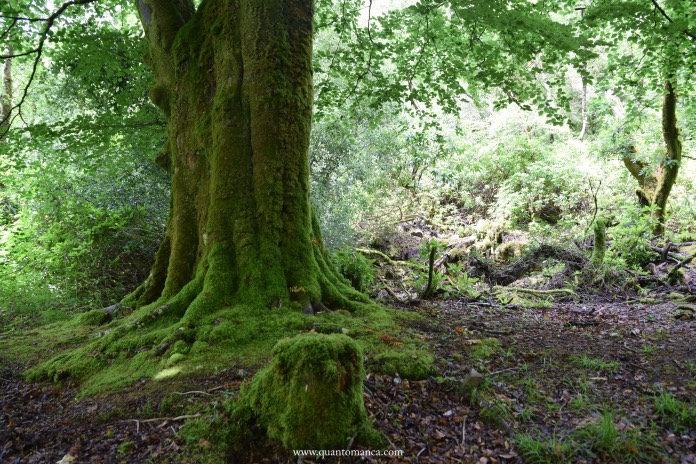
(690, 34)
(38, 51)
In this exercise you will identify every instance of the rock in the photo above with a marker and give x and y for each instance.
(113, 308)
(473, 379)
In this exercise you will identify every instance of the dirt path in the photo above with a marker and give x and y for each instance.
(577, 382)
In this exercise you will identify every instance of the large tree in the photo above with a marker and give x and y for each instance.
(234, 80)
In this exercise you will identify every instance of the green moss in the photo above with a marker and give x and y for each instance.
(180, 347)
(600, 245)
(486, 348)
(94, 317)
(126, 448)
(311, 394)
(175, 358)
(409, 364)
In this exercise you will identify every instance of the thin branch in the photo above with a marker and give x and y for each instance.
(7, 31)
(664, 13)
(17, 55)
(23, 18)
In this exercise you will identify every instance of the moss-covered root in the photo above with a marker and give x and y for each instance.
(311, 396)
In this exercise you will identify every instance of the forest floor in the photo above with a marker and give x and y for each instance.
(594, 380)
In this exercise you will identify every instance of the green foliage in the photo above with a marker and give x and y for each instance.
(601, 439)
(630, 238)
(459, 284)
(86, 234)
(355, 267)
(485, 349)
(546, 188)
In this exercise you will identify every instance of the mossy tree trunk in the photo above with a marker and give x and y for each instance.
(234, 80)
(655, 187)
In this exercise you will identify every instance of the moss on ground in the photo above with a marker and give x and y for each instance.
(150, 345)
(409, 363)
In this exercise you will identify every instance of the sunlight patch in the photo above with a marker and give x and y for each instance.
(167, 373)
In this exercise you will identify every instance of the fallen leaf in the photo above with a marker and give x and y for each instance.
(67, 459)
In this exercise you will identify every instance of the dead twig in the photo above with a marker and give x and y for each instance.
(504, 370)
(163, 419)
(194, 392)
(463, 443)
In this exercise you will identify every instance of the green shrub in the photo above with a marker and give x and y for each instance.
(355, 267)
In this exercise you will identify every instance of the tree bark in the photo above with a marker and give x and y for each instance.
(583, 130)
(234, 80)
(6, 96)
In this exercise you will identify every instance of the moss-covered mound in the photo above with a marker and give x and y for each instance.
(311, 396)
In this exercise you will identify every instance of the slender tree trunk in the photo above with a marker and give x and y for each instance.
(6, 96)
(655, 187)
(583, 131)
(669, 167)
(234, 80)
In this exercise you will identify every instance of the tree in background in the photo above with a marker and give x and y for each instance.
(650, 49)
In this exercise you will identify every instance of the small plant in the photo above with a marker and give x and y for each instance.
(458, 283)
(648, 349)
(579, 403)
(531, 389)
(126, 448)
(429, 282)
(526, 415)
(550, 451)
(451, 279)
(675, 412)
(354, 267)
(496, 413)
(610, 443)
(599, 365)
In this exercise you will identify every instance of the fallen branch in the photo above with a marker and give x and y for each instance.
(665, 253)
(683, 263)
(391, 292)
(194, 392)
(539, 293)
(504, 370)
(463, 443)
(388, 260)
